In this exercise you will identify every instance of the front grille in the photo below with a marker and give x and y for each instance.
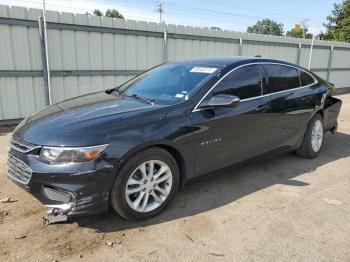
(18, 170)
(22, 146)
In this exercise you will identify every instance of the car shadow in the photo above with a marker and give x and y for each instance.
(231, 185)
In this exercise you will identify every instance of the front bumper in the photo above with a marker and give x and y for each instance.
(84, 187)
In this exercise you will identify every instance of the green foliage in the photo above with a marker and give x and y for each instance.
(338, 26)
(97, 12)
(266, 27)
(215, 28)
(109, 13)
(297, 32)
(114, 13)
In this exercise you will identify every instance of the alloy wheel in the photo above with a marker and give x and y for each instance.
(317, 136)
(148, 186)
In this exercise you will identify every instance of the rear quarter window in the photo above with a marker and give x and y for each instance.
(306, 79)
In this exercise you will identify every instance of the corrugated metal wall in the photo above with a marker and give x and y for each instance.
(89, 53)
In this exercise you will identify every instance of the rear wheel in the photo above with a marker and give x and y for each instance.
(145, 185)
(313, 138)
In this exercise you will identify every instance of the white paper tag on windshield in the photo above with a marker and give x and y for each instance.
(205, 70)
(179, 95)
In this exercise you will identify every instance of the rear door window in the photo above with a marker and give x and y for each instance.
(244, 82)
(281, 78)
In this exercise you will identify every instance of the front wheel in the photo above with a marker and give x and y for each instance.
(145, 185)
(313, 138)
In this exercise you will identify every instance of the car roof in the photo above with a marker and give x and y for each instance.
(225, 61)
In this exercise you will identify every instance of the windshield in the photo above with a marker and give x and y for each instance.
(167, 83)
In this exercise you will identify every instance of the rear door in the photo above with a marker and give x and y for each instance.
(291, 105)
(227, 135)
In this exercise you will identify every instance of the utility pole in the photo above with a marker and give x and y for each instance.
(47, 54)
(159, 8)
(312, 46)
(304, 25)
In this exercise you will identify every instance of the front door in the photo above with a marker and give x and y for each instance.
(228, 135)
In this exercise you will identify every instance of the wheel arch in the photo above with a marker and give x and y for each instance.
(320, 112)
(165, 146)
(317, 111)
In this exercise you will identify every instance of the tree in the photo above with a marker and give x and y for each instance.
(297, 32)
(114, 13)
(266, 27)
(97, 12)
(109, 13)
(216, 28)
(338, 26)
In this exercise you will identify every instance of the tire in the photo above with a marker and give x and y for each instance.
(132, 177)
(307, 148)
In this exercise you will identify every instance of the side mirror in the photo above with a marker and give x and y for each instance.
(221, 100)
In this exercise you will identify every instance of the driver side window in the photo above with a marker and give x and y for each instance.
(245, 82)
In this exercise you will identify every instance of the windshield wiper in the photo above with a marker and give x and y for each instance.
(146, 100)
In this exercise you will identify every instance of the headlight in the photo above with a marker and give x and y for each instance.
(71, 154)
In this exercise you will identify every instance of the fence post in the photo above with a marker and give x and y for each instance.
(165, 47)
(44, 59)
(241, 46)
(330, 61)
(299, 54)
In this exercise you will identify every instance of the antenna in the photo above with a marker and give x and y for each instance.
(159, 8)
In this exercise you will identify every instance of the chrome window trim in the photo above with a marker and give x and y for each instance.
(255, 97)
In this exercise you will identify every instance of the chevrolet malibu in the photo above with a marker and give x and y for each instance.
(133, 146)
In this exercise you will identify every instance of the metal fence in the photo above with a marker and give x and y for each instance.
(89, 53)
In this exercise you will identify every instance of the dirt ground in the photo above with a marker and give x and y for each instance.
(285, 209)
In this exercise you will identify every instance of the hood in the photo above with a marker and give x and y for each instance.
(80, 121)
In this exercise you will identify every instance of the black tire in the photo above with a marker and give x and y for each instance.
(118, 198)
(306, 150)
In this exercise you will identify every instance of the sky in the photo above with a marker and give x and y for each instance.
(235, 15)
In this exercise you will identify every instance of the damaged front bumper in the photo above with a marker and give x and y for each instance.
(58, 213)
(67, 189)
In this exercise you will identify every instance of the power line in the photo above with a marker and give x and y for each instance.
(201, 17)
(84, 10)
(211, 12)
(251, 9)
(187, 11)
(183, 10)
(227, 14)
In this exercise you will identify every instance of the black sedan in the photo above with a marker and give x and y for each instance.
(132, 147)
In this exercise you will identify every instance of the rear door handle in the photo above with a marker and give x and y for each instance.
(306, 99)
(262, 108)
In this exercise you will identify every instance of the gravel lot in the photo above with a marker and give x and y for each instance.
(285, 209)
